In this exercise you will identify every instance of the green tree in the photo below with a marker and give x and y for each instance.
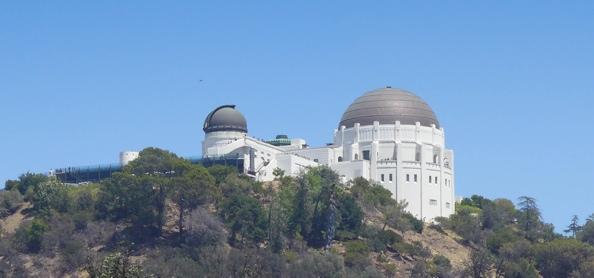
(476, 201)
(157, 162)
(351, 215)
(394, 216)
(116, 265)
(560, 257)
(221, 172)
(245, 217)
(529, 218)
(515, 258)
(498, 238)
(135, 199)
(278, 173)
(370, 196)
(300, 215)
(466, 223)
(51, 194)
(25, 182)
(573, 227)
(324, 218)
(586, 233)
(189, 191)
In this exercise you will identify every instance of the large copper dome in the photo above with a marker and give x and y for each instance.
(388, 105)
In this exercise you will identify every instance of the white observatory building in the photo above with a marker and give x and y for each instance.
(389, 136)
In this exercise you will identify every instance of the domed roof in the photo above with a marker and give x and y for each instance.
(388, 105)
(225, 118)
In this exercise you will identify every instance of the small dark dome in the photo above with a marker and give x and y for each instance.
(225, 118)
(388, 105)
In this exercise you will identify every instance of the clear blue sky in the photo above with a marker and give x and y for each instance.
(513, 84)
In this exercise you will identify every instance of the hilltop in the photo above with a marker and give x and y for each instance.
(165, 217)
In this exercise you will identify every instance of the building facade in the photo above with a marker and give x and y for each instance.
(388, 136)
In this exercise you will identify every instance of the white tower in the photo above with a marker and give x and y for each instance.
(400, 137)
(222, 126)
(127, 156)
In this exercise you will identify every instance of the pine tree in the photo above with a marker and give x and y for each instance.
(574, 227)
(530, 217)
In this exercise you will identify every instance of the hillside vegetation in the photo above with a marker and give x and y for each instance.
(165, 217)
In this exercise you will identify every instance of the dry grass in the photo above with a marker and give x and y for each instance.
(12, 222)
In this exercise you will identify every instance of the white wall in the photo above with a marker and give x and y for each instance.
(401, 150)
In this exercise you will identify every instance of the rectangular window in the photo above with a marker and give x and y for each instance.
(447, 204)
(435, 180)
(390, 177)
(415, 177)
(408, 177)
(382, 177)
(430, 179)
(433, 202)
(366, 155)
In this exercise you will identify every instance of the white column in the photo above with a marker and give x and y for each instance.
(399, 174)
(374, 150)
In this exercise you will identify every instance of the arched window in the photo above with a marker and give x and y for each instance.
(435, 159)
(356, 156)
(340, 159)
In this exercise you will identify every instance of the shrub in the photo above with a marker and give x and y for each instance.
(345, 235)
(417, 225)
(60, 230)
(440, 266)
(29, 236)
(382, 239)
(252, 262)
(357, 254)
(115, 265)
(558, 258)
(416, 249)
(203, 229)
(438, 228)
(390, 269)
(420, 270)
(74, 255)
(9, 202)
(324, 264)
(479, 263)
(171, 263)
(50, 195)
(96, 233)
(368, 272)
